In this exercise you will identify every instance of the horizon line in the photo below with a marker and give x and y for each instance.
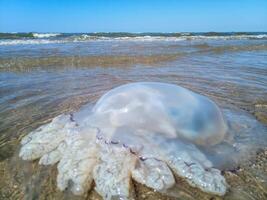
(13, 32)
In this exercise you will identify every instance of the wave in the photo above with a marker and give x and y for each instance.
(229, 37)
(54, 61)
(85, 37)
(46, 38)
(159, 34)
(29, 42)
(26, 63)
(45, 35)
(165, 36)
(16, 35)
(230, 48)
(30, 35)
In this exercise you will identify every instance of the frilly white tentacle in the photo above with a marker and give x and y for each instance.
(83, 157)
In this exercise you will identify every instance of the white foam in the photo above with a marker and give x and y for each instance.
(230, 37)
(45, 35)
(44, 38)
(149, 38)
(29, 41)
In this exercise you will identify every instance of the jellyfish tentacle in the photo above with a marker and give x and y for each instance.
(149, 169)
(113, 173)
(53, 156)
(187, 161)
(208, 180)
(77, 165)
(180, 158)
(154, 174)
(45, 139)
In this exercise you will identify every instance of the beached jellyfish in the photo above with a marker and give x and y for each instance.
(143, 131)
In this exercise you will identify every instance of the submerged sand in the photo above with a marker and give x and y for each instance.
(27, 180)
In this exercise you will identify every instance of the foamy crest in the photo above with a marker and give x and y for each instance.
(45, 35)
(29, 42)
(46, 38)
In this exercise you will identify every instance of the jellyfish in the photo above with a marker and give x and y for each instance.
(146, 131)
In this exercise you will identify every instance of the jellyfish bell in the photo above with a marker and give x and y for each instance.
(164, 108)
(197, 119)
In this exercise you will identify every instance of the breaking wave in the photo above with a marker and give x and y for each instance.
(46, 38)
(45, 35)
(29, 41)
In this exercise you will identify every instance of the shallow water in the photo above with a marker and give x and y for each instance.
(40, 80)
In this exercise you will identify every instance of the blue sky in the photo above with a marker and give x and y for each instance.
(132, 16)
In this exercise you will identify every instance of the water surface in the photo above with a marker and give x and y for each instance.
(42, 76)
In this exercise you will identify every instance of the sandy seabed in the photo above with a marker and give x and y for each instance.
(18, 182)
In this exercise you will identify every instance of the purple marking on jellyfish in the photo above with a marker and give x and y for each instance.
(99, 137)
(106, 142)
(189, 164)
(114, 142)
(133, 152)
(142, 158)
(71, 117)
